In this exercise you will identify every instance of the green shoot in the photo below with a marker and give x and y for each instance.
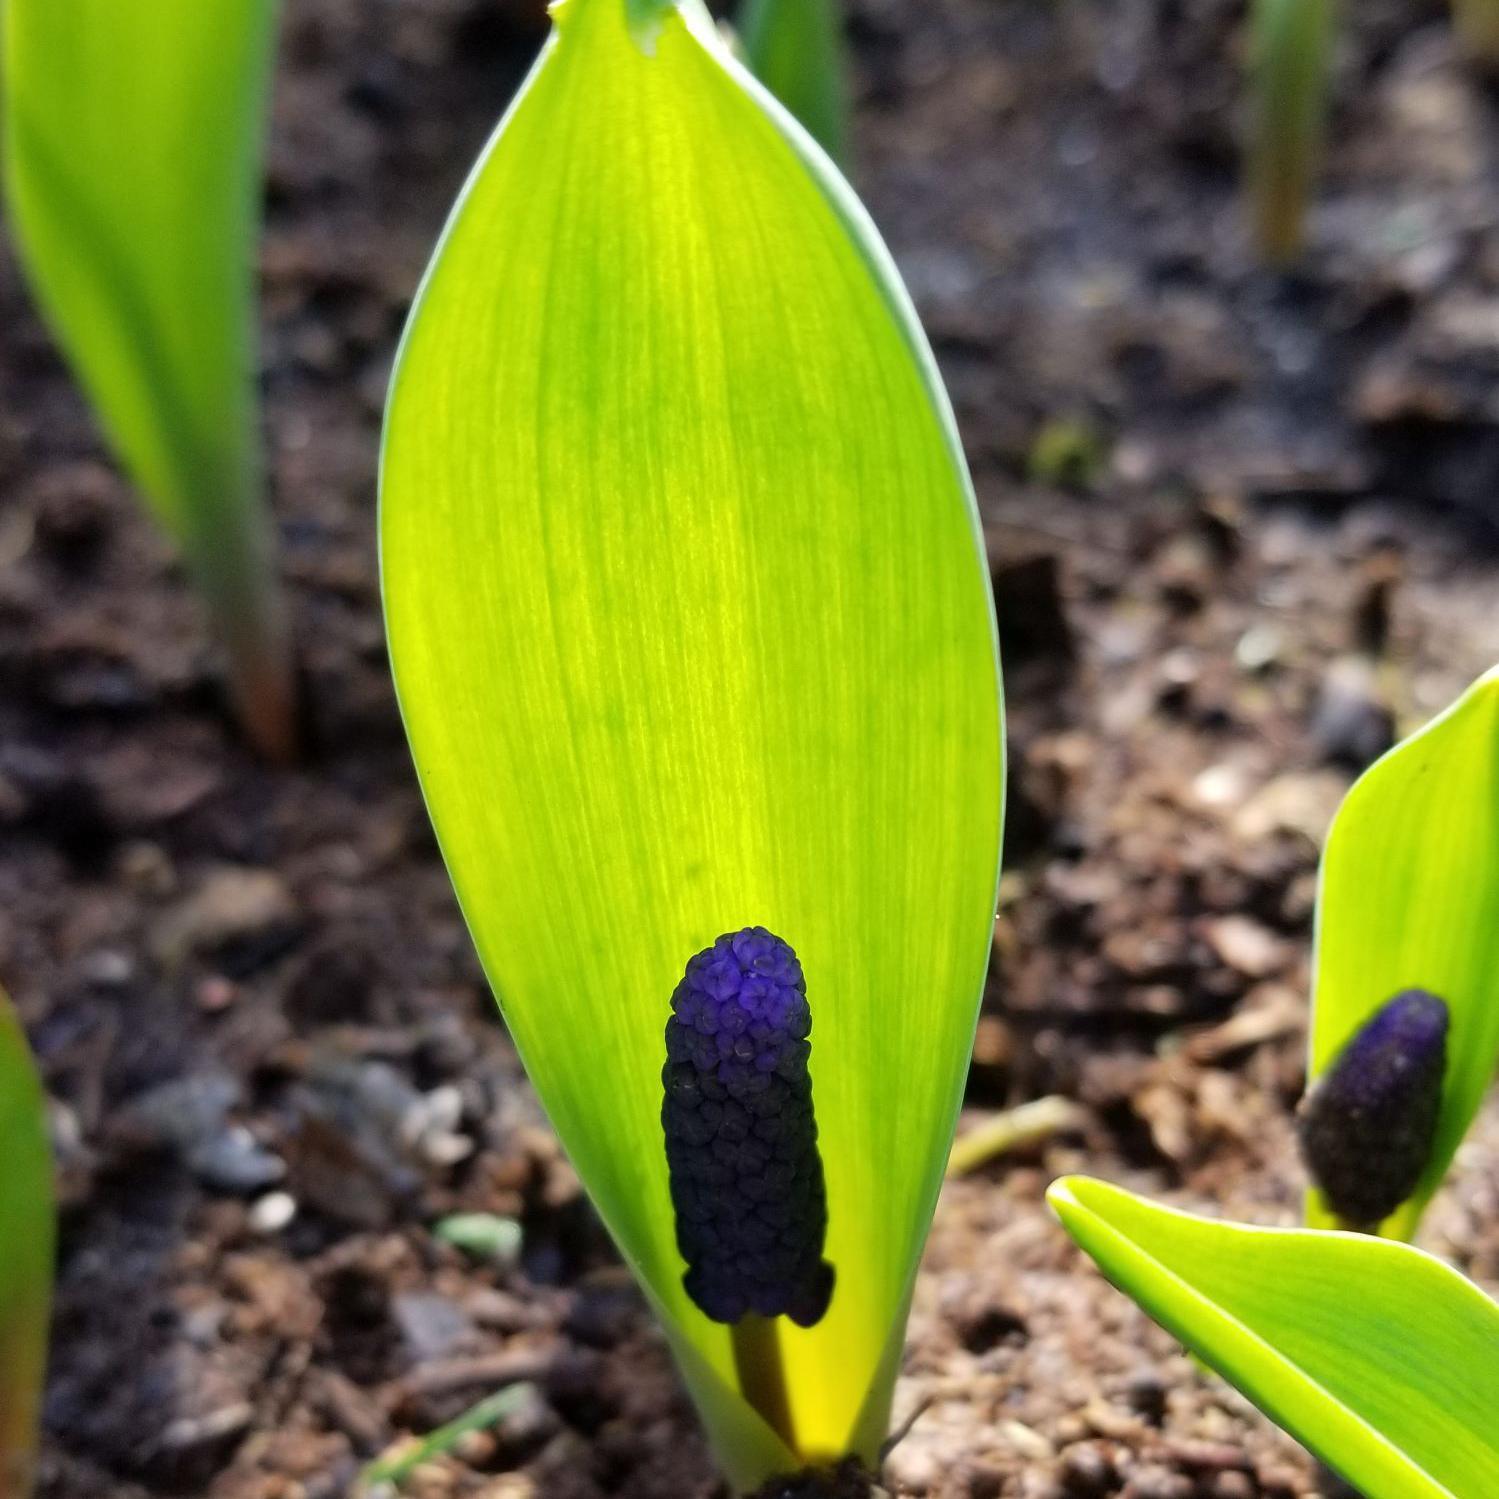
(1381, 1359)
(1289, 64)
(691, 629)
(389, 1473)
(796, 49)
(1409, 900)
(132, 164)
(26, 1248)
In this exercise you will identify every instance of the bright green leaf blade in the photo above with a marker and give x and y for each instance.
(132, 137)
(795, 48)
(26, 1248)
(1291, 56)
(690, 623)
(1409, 899)
(1379, 1358)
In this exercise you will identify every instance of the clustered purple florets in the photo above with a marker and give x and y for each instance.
(1368, 1126)
(741, 1139)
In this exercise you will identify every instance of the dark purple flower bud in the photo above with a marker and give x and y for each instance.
(741, 1140)
(1368, 1126)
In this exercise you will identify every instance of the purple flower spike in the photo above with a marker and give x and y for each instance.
(741, 1139)
(1368, 1126)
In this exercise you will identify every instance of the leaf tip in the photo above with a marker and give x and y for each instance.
(1065, 1198)
(644, 18)
(1487, 686)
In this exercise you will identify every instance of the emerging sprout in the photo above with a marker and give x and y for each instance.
(1370, 1122)
(1381, 1359)
(132, 142)
(690, 621)
(1289, 63)
(1408, 900)
(795, 48)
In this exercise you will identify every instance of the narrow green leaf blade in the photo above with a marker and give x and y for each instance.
(795, 48)
(26, 1250)
(132, 140)
(1291, 56)
(388, 1472)
(690, 623)
(1381, 1359)
(1409, 898)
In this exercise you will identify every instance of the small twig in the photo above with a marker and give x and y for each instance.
(762, 1374)
(1023, 1125)
(902, 1431)
(461, 1373)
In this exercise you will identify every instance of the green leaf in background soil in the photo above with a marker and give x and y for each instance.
(1291, 58)
(132, 170)
(691, 629)
(795, 48)
(1380, 1359)
(26, 1250)
(1409, 899)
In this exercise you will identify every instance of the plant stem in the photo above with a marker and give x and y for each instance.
(233, 563)
(1291, 58)
(762, 1375)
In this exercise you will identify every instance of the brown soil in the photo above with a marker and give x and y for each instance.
(1241, 525)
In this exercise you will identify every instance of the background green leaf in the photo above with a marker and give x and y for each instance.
(691, 629)
(26, 1250)
(1409, 898)
(1291, 58)
(795, 48)
(132, 171)
(1381, 1359)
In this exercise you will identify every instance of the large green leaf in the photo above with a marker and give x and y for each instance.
(132, 169)
(1289, 65)
(1381, 1359)
(26, 1245)
(795, 48)
(1409, 898)
(691, 628)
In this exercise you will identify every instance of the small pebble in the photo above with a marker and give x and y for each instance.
(986, 1480)
(232, 1160)
(1259, 648)
(1146, 1395)
(1350, 724)
(273, 1212)
(1151, 1482)
(1233, 1485)
(1087, 1470)
(432, 1326)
